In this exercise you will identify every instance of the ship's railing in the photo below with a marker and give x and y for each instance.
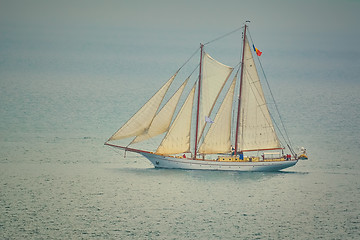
(248, 159)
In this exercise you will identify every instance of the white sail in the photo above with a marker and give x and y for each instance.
(217, 139)
(177, 139)
(143, 118)
(162, 120)
(256, 128)
(214, 77)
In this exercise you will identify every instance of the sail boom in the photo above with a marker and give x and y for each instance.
(126, 148)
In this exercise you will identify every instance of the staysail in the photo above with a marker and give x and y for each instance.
(177, 139)
(141, 121)
(162, 120)
(217, 139)
(256, 129)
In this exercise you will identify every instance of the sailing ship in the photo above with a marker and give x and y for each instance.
(211, 129)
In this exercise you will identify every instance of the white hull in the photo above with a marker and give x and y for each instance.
(184, 163)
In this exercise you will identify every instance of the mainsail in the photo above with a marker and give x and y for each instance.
(256, 128)
(141, 121)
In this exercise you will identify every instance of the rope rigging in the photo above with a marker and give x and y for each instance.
(225, 35)
(287, 139)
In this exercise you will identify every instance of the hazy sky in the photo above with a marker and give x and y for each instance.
(306, 26)
(280, 15)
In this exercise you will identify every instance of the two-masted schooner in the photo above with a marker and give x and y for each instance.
(209, 130)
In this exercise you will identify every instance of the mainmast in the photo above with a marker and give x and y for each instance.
(239, 102)
(198, 103)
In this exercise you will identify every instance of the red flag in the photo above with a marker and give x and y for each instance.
(257, 51)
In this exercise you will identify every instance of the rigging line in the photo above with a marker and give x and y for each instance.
(194, 70)
(261, 109)
(197, 49)
(251, 85)
(278, 128)
(275, 122)
(276, 106)
(272, 96)
(225, 35)
(238, 67)
(233, 106)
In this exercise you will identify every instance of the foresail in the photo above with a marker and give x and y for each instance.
(217, 139)
(162, 120)
(256, 128)
(214, 77)
(177, 139)
(141, 121)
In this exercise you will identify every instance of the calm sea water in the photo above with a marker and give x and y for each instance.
(62, 95)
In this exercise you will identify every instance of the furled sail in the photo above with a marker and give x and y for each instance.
(162, 120)
(214, 77)
(256, 128)
(177, 139)
(141, 121)
(217, 139)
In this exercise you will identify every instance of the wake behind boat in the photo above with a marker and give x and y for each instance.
(210, 128)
